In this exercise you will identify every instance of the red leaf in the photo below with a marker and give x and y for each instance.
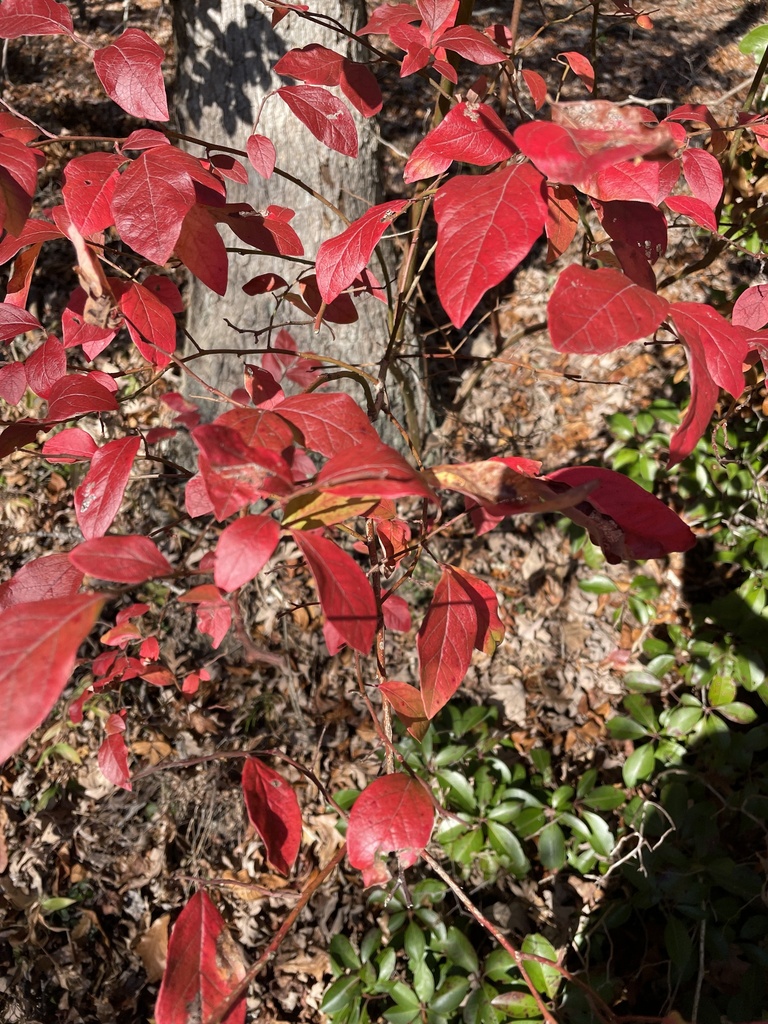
(637, 224)
(394, 813)
(202, 251)
(274, 812)
(595, 311)
(698, 211)
(18, 181)
(151, 200)
(98, 497)
(314, 64)
(751, 308)
(329, 423)
(638, 525)
(264, 283)
(113, 754)
(235, 474)
(387, 15)
(408, 705)
(230, 167)
(75, 395)
(562, 219)
(486, 226)
(73, 444)
(716, 351)
(470, 43)
(150, 323)
(90, 183)
(262, 155)
(325, 116)
(214, 615)
(259, 428)
(372, 469)
(166, 291)
(634, 264)
(43, 18)
(397, 614)
(144, 138)
(39, 642)
(287, 363)
(490, 628)
(471, 132)
(243, 550)
(204, 966)
(345, 594)
(359, 85)
(341, 258)
(124, 559)
(445, 641)
(580, 66)
(45, 366)
(14, 321)
(41, 580)
(13, 382)
(648, 181)
(588, 136)
(537, 87)
(437, 14)
(702, 115)
(271, 233)
(130, 71)
(704, 176)
(196, 500)
(17, 435)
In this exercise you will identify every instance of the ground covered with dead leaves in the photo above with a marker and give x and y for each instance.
(92, 877)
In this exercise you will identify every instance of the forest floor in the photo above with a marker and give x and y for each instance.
(128, 860)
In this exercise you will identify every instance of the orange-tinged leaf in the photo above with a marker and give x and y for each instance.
(39, 642)
(204, 966)
(394, 814)
(317, 509)
(274, 812)
(490, 628)
(408, 706)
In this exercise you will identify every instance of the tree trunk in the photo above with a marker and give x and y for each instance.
(226, 50)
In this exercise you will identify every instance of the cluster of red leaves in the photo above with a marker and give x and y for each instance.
(164, 203)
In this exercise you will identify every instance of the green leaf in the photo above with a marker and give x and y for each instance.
(641, 709)
(386, 964)
(544, 979)
(641, 682)
(450, 995)
(586, 783)
(602, 840)
(661, 664)
(562, 797)
(458, 950)
(415, 944)
(552, 847)
(755, 42)
(54, 903)
(460, 789)
(370, 945)
(423, 981)
(341, 993)
(506, 842)
(479, 1008)
(605, 798)
(738, 712)
(343, 954)
(722, 690)
(677, 939)
(623, 728)
(517, 1004)
(639, 765)
(598, 585)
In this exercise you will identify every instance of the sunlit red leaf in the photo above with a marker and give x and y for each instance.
(645, 181)
(274, 812)
(394, 814)
(716, 351)
(340, 259)
(243, 550)
(486, 226)
(437, 15)
(622, 517)
(470, 43)
(42, 579)
(204, 966)
(751, 308)
(113, 754)
(326, 116)
(73, 444)
(314, 64)
(385, 16)
(537, 87)
(130, 71)
(90, 182)
(76, 395)
(13, 382)
(124, 559)
(704, 176)
(329, 423)
(699, 211)
(580, 66)
(445, 642)
(214, 615)
(14, 321)
(490, 628)
(470, 132)
(43, 18)
(99, 496)
(372, 469)
(261, 154)
(39, 642)
(346, 597)
(45, 366)
(235, 474)
(594, 311)
(409, 707)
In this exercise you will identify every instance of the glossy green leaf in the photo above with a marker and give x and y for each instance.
(545, 979)
(639, 765)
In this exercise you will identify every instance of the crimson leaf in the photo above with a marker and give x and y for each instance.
(129, 69)
(41, 580)
(325, 116)
(445, 641)
(274, 812)
(125, 559)
(340, 259)
(471, 132)
(98, 497)
(243, 550)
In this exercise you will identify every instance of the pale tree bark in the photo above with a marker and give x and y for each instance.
(225, 51)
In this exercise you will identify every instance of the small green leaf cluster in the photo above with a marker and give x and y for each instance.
(414, 966)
